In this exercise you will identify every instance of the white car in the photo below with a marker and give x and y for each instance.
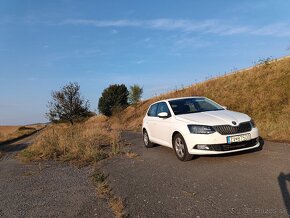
(198, 126)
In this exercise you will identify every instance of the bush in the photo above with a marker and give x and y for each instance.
(24, 128)
(113, 99)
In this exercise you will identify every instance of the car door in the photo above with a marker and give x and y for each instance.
(151, 121)
(163, 126)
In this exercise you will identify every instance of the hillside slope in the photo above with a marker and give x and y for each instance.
(263, 92)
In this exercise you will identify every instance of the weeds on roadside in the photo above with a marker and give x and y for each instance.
(117, 206)
(104, 191)
(98, 177)
(131, 154)
(82, 143)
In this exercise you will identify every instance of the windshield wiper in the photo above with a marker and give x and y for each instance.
(212, 110)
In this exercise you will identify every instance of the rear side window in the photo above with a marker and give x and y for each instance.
(153, 110)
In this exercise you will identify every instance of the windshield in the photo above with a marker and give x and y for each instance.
(193, 105)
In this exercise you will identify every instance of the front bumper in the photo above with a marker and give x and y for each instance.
(217, 143)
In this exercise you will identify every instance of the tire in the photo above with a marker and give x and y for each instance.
(146, 140)
(180, 148)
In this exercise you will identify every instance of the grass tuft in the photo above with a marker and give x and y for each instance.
(117, 206)
(98, 177)
(131, 154)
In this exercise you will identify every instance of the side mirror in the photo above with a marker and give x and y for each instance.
(224, 107)
(163, 115)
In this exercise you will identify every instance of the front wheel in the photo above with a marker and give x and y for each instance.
(146, 140)
(180, 148)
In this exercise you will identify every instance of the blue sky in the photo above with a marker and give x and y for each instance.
(160, 45)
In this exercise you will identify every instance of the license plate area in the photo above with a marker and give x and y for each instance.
(238, 138)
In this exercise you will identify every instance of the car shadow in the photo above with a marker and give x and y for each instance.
(282, 180)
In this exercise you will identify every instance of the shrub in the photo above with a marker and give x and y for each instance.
(24, 128)
(113, 99)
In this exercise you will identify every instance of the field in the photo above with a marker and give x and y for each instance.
(262, 91)
(8, 133)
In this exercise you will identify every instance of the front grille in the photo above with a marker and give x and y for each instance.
(228, 129)
(234, 146)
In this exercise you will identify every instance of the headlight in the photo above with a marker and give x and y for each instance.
(253, 123)
(199, 129)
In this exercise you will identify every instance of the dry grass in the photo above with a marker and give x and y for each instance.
(82, 143)
(102, 186)
(104, 191)
(5, 130)
(131, 154)
(117, 206)
(263, 92)
(8, 133)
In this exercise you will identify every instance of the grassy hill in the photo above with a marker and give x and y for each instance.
(262, 91)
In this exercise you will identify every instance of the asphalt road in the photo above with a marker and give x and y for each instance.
(46, 189)
(154, 184)
(157, 184)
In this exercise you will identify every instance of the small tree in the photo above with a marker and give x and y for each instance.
(135, 94)
(114, 98)
(68, 105)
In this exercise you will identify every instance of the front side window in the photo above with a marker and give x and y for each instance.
(162, 107)
(153, 110)
(193, 105)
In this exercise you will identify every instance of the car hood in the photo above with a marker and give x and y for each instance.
(211, 118)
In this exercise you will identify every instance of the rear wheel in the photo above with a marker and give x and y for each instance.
(146, 140)
(180, 148)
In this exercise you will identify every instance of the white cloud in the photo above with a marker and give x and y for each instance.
(32, 78)
(102, 23)
(212, 26)
(115, 31)
(277, 29)
(236, 30)
(147, 39)
(185, 42)
(140, 61)
(205, 26)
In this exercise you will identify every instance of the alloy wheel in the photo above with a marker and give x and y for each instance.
(179, 147)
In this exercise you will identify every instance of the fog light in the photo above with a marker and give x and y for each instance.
(202, 147)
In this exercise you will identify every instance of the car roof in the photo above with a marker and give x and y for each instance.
(171, 99)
